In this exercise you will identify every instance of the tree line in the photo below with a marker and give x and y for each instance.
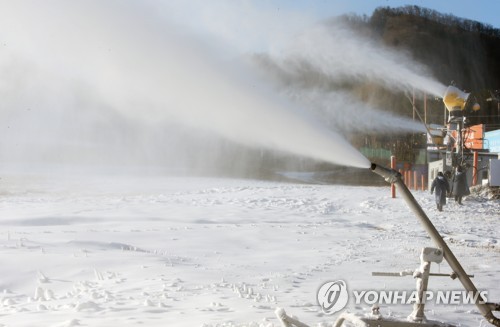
(435, 16)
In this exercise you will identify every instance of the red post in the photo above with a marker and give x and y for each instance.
(393, 187)
(408, 175)
(415, 180)
(423, 182)
(474, 168)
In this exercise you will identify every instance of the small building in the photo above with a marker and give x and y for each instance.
(488, 169)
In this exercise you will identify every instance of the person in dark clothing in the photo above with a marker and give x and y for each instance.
(460, 186)
(440, 184)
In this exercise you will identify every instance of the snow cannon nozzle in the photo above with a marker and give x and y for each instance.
(391, 176)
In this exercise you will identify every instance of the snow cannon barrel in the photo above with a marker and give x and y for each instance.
(394, 177)
(389, 175)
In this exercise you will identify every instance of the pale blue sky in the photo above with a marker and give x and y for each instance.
(485, 11)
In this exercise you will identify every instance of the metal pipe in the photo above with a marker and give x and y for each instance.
(393, 177)
(410, 273)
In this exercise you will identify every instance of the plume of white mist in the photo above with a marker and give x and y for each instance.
(295, 42)
(138, 68)
(297, 45)
(340, 54)
(237, 26)
(335, 105)
(344, 113)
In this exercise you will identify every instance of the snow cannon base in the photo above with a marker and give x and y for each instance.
(421, 274)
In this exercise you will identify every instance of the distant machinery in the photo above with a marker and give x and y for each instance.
(456, 101)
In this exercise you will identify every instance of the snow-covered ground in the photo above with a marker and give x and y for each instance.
(180, 251)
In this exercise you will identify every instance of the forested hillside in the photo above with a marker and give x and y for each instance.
(456, 49)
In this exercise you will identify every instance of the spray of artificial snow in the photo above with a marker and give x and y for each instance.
(329, 55)
(305, 58)
(88, 79)
(71, 68)
(339, 54)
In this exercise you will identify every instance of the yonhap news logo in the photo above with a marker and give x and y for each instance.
(333, 296)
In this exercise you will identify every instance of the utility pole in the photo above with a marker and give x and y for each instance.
(413, 104)
(425, 108)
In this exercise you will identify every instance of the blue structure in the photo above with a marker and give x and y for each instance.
(492, 141)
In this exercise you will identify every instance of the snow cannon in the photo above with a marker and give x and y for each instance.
(394, 177)
(455, 99)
